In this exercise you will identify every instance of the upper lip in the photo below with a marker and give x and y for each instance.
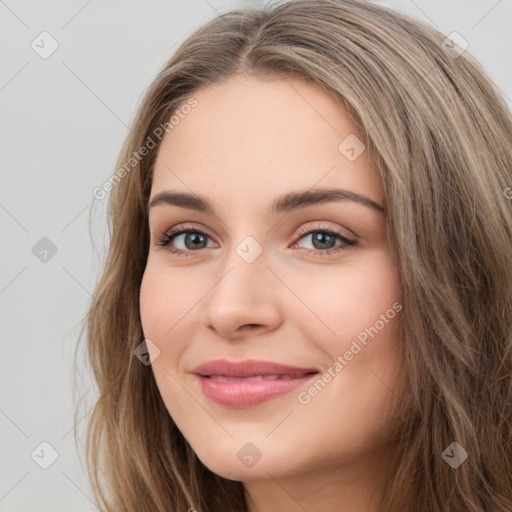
(248, 368)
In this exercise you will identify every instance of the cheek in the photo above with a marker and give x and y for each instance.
(353, 318)
(360, 300)
(150, 304)
(163, 312)
(332, 306)
(163, 302)
(168, 304)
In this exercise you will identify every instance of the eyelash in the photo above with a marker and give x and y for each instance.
(168, 237)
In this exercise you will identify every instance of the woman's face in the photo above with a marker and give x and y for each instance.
(272, 269)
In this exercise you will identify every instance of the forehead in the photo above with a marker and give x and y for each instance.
(261, 138)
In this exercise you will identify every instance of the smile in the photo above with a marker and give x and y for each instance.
(248, 383)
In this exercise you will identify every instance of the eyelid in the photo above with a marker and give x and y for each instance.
(188, 227)
(168, 236)
(305, 229)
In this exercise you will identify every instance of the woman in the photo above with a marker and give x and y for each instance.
(306, 303)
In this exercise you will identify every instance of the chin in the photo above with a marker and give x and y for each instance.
(243, 461)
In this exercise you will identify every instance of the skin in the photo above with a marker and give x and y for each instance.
(246, 142)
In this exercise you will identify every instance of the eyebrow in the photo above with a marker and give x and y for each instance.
(285, 203)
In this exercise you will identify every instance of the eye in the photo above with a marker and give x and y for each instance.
(193, 239)
(322, 238)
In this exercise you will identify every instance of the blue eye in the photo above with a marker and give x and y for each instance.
(195, 239)
(322, 237)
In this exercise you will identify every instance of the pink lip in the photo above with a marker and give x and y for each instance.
(229, 383)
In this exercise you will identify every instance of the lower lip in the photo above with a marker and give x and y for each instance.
(247, 393)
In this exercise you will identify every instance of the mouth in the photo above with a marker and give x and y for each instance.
(223, 378)
(250, 382)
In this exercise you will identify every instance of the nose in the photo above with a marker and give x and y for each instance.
(244, 299)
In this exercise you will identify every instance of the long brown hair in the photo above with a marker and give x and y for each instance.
(442, 136)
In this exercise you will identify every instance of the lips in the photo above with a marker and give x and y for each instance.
(222, 378)
(249, 368)
(249, 382)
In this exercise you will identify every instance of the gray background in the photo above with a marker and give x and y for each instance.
(62, 122)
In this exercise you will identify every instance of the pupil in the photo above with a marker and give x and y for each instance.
(321, 238)
(195, 238)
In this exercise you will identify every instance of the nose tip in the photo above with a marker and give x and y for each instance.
(240, 303)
